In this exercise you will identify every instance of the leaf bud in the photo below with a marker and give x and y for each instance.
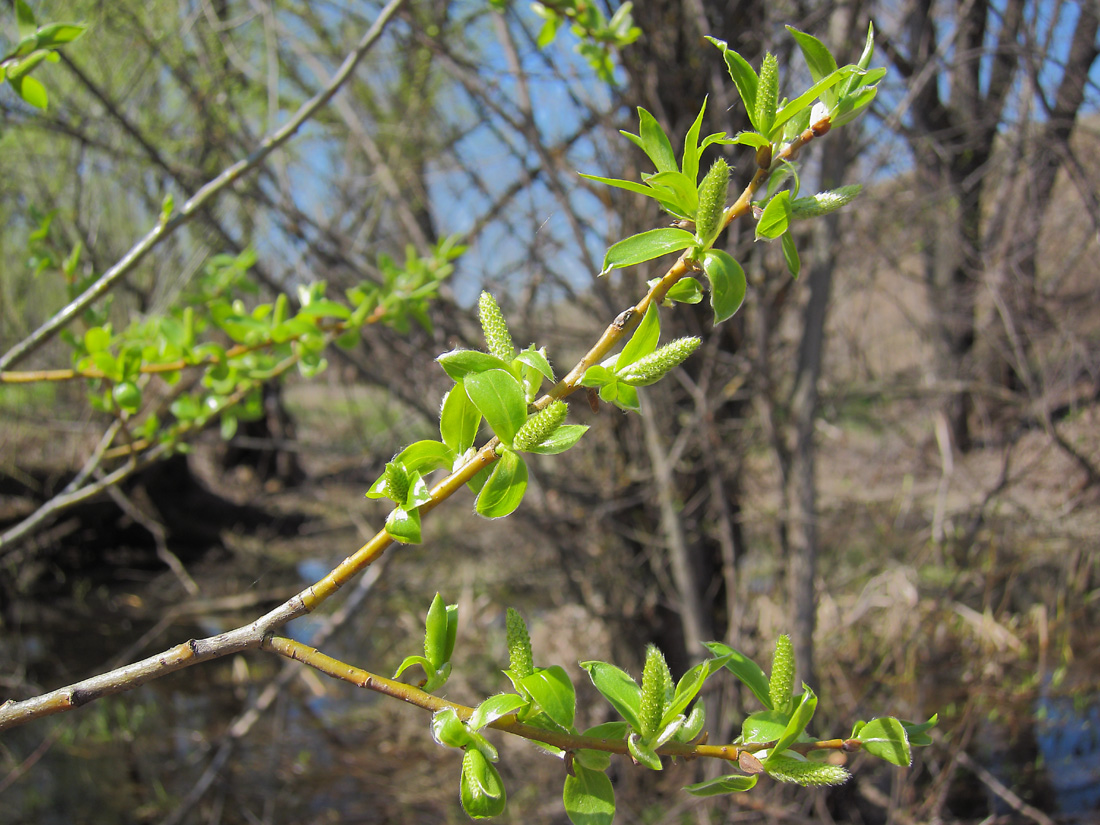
(808, 774)
(824, 202)
(520, 661)
(656, 365)
(712, 202)
(539, 426)
(497, 337)
(656, 686)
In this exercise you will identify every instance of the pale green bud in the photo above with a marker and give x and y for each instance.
(656, 685)
(824, 202)
(808, 774)
(539, 426)
(767, 93)
(712, 202)
(519, 646)
(781, 685)
(656, 365)
(497, 337)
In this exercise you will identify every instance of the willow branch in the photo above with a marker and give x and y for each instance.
(252, 636)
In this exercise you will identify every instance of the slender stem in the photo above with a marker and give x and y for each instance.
(509, 724)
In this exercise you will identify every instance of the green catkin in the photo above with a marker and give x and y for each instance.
(807, 774)
(781, 684)
(656, 365)
(712, 202)
(520, 661)
(767, 93)
(824, 202)
(656, 684)
(539, 426)
(497, 337)
(397, 479)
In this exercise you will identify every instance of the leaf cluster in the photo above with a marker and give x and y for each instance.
(35, 44)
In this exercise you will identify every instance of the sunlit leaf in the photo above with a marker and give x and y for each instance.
(552, 691)
(618, 688)
(504, 489)
(588, 796)
(499, 397)
(727, 283)
(733, 783)
(645, 247)
(886, 738)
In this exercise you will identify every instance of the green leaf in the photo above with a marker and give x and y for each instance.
(425, 456)
(917, 734)
(324, 308)
(494, 708)
(597, 376)
(806, 99)
(886, 738)
(690, 164)
(743, 75)
(482, 792)
(461, 362)
(790, 255)
(796, 727)
(733, 783)
(435, 633)
(408, 662)
(642, 753)
(552, 691)
(503, 490)
(680, 192)
(764, 726)
(589, 797)
(852, 105)
(459, 420)
(498, 396)
(629, 185)
(560, 440)
(776, 217)
(618, 688)
(24, 18)
(55, 34)
(447, 729)
(693, 725)
(745, 669)
(686, 690)
(655, 142)
(537, 359)
(819, 59)
(97, 339)
(685, 291)
(404, 525)
(31, 91)
(645, 247)
(643, 341)
(727, 283)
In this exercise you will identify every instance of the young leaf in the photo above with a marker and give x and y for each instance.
(917, 734)
(690, 163)
(655, 142)
(588, 796)
(818, 58)
(790, 255)
(494, 708)
(685, 291)
(482, 792)
(642, 753)
(499, 397)
(886, 738)
(404, 525)
(503, 490)
(618, 688)
(31, 90)
(775, 218)
(743, 75)
(436, 647)
(764, 726)
(645, 247)
(552, 692)
(643, 341)
(796, 727)
(425, 456)
(676, 192)
(727, 283)
(733, 783)
(448, 730)
(745, 669)
(459, 420)
(562, 439)
(461, 362)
